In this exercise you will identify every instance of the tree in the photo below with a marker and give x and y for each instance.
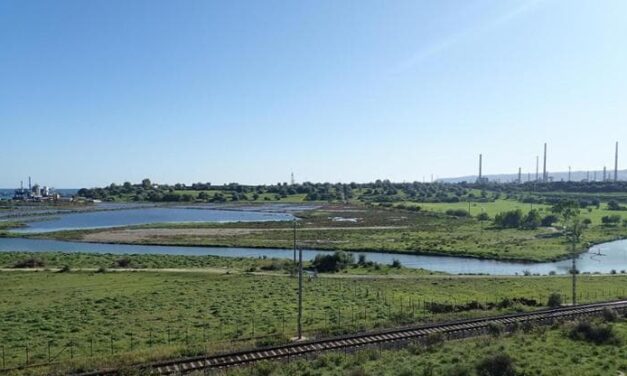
(483, 216)
(333, 263)
(509, 219)
(613, 205)
(146, 183)
(531, 221)
(611, 220)
(549, 220)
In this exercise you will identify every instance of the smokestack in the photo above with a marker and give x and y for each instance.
(21, 185)
(480, 164)
(545, 177)
(604, 173)
(537, 167)
(594, 174)
(616, 163)
(519, 175)
(29, 185)
(569, 170)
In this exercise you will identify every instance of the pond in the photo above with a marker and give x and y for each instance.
(139, 216)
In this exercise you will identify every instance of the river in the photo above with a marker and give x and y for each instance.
(613, 256)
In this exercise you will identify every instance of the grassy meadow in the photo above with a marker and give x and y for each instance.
(126, 316)
(542, 352)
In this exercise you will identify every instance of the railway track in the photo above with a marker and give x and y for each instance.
(450, 330)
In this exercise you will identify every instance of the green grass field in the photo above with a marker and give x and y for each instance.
(167, 313)
(543, 351)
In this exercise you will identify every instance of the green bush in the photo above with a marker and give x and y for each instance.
(333, 263)
(600, 334)
(499, 364)
(555, 300)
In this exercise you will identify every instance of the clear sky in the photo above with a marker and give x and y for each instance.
(94, 92)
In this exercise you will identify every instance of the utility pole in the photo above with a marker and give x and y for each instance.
(300, 293)
(294, 223)
(574, 271)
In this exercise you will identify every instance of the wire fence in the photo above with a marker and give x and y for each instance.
(259, 329)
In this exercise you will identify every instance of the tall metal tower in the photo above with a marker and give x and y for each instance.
(545, 176)
(519, 175)
(616, 163)
(480, 165)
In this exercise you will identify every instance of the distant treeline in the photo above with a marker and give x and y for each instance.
(379, 191)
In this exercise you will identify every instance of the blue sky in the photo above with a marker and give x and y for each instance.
(94, 92)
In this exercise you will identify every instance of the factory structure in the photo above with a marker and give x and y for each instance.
(546, 178)
(35, 193)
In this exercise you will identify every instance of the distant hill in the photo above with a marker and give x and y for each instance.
(556, 176)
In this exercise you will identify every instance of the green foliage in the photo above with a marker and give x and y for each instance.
(555, 300)
(549, 220)
(458, 213)
(509, 219)
(483, 216)
(611, 220)
(500, 364)
(592, 331)
(333, 263)
(531, 220)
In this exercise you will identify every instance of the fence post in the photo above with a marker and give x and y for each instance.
(4, 364)
(150, 337)
(91, 346)
(71, 349)
(27, 358)
(131, 341)
(111, 344)
(49, 358)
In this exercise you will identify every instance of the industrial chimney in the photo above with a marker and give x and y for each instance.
(616, 163)
(480, 165)
(545, 176)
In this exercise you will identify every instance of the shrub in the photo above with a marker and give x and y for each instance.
(459, 370)
(434, 339)
(609, 314)
(361, 260)
(65, 269)
(495, 329)
(457, 213)
(549, 220)
(611, 219)
(101, 269)
(124, 262)
(496, 365)
(509, 219)
(31, 262)
(333, 263)
(531, 221)
(396, 263)
(555, 300)
(595, 333)
(483, 216)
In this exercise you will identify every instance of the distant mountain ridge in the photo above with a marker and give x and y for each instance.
(556, 176)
